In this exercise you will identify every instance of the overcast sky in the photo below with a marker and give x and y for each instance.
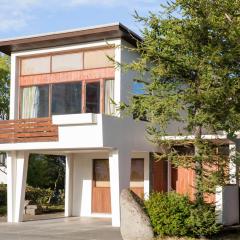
(24, 17)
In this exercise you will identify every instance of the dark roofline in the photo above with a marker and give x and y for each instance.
(82, 35)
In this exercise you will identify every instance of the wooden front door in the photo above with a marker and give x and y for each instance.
(101, 196)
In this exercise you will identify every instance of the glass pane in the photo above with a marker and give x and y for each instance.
(101, 172)
(98, 58)
(35, 65)
(109, 96)
(137, 170)
(93, 97)
(66, 98)
(67, 62)
(35, 102)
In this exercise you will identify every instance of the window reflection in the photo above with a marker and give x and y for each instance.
(66, 98)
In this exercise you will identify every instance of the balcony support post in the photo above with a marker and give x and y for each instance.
(17, 165)
(120, 167)
(68, 185)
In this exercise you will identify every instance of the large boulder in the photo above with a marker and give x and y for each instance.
(135, 223)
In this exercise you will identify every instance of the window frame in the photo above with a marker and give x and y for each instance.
(83, 95)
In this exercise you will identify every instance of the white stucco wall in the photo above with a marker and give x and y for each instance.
(82, 176)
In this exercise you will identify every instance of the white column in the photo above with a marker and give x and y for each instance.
(11, 180)
(17, 165)
(146, 175)
(21, 179)
(232, 165)
(68, 185)
(120, 167)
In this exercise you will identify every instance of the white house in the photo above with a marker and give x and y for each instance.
(62, 85)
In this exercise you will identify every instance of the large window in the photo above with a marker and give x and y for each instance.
(35, 102)
(93, 97)
(66, 98)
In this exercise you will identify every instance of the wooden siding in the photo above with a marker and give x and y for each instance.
(72, 76)
(28, 130)
(159, 176)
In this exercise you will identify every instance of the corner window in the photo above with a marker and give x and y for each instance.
(66, 98)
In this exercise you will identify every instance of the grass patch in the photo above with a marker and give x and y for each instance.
(53, 208)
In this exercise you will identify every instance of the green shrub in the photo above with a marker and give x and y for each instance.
(202, 221)
(3, 195)
(168, 213)
(172, 214)
(38, 196)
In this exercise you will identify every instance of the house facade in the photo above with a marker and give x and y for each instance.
(64, 87)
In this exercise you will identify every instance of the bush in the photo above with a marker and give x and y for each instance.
(172, 214)
(168, 213)
(3, 195)
(38, 196)
(202, 220)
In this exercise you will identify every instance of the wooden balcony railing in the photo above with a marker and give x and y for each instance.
(28, 130)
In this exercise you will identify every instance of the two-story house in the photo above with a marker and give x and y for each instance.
(63, 86)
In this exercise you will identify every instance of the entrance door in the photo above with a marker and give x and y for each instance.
(101, 199)
(101, 196)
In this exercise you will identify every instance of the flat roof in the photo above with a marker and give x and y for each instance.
(69, 37)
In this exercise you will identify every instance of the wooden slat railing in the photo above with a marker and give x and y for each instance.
(28, 130)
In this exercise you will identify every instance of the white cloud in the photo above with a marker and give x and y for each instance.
(15, 14)
(115, 3)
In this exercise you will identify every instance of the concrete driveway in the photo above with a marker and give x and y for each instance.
(63, 228)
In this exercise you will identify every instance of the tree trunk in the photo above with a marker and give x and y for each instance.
(198, 166)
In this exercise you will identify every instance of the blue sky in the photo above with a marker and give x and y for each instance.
(25, 17)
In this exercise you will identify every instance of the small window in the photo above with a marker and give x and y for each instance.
(35, 102)
(31, 66)
(101, 172)
(93, 97)
(66, 98)
(137, 172)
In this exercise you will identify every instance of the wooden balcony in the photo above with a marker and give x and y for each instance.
(28, 130)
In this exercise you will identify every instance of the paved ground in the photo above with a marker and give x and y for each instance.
(60, 229)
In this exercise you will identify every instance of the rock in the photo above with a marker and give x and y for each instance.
(135, 223)
(33, 210)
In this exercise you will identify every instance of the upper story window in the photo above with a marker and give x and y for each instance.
(67, 98)
(35, 102)
(32, 66)
(64, 62)
(67, 83)
(93, 97)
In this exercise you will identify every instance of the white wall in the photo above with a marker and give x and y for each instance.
(82, 180)
(82, 183)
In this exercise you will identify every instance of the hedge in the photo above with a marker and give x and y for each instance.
(35, 196)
